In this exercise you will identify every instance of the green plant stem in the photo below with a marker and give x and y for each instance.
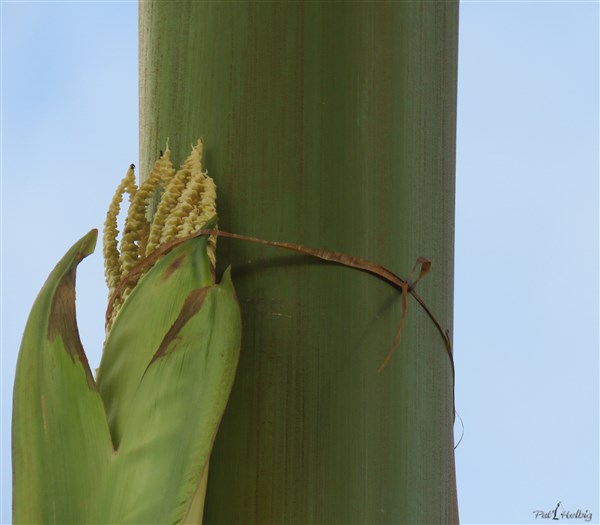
(331, 125)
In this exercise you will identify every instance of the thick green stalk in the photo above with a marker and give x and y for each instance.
(332, 125)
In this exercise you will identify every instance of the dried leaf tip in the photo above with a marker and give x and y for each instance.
(187, 201)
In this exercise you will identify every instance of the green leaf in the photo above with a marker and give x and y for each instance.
(166, 374)
(60, 440)
(175, 411)
(143, 321)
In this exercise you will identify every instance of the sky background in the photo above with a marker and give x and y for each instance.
(526, 333)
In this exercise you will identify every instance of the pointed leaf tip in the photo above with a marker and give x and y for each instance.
(88, 243)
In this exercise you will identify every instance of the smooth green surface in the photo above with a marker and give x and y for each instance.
(328, 124)
(165, 378)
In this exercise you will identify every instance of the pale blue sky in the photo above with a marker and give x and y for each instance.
(526, 333)
(526, 301)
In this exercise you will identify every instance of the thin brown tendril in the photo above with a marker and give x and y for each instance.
(337, 257)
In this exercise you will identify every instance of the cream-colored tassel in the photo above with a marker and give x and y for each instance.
(112, 265)
(187, 202)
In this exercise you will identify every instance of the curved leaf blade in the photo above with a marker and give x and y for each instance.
(142, 323)
(60, 440)
(175, 412)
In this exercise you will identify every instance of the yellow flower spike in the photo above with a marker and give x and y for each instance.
(137, 226)
(175, 206)
(208, 200)
(186, 213)
(167, 171)
(194, 160)
(173, 217)
(186, 204)
(169, 188)
(159, 233)
(204, 209)
(199, 215)
(208, 209)
(112, 266)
